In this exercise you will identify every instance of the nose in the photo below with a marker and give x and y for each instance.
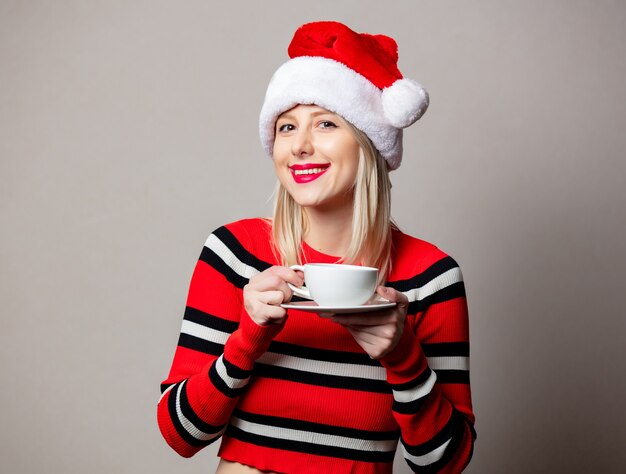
(302, 145)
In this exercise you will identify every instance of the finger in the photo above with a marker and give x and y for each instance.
(372, 319)
(294, 277)
(367, 341)
(265, 282)
(274, 297)
(275, 278)
(264, 314)
(384, 331)
(272, 314)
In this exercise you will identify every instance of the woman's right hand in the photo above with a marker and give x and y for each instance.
(265, 292)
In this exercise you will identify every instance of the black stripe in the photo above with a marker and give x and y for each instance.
(450, 292)
(453, 376)
(221, 385)
(309, 426)
(309, 448)
(419, 280)
(191, 415)
(165, 386)
(322, 380)
(446, 349)
(408, 408)
(234, 371)
(210, 321)
(419, 380)
(230, 241)
(453, 447)
(211, 258)
(456, 290)
(182, 432)
(200, 345)
(473, 435)
(315, 354)
(452, 425)
(448, 454)
(239, 250)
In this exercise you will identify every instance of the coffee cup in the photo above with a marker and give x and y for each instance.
(336, 285)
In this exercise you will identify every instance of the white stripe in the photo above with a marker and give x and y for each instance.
(444, 280)
(166, 390)
(448, 363)
(188, 425)
(324, 367)
(203, 332)
(292, 362)
(415, 393)
(313, 437)
(228, 380)
(229, 257)
(429, 458)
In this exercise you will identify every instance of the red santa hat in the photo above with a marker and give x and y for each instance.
(354, 75)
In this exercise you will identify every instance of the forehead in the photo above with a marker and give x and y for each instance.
(306, 109)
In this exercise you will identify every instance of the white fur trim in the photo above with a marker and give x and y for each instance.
(404, 102)
(334, 86)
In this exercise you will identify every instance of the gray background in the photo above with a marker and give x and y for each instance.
(128, 131)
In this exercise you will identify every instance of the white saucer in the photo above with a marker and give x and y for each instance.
(313, 307)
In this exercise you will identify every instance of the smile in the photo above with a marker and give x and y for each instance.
(307, 173)
(311, 171)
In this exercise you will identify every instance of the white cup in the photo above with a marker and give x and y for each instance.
(336, 285)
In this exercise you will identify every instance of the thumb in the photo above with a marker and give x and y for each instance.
(393, 295)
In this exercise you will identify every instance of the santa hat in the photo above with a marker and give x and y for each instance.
(354, 75)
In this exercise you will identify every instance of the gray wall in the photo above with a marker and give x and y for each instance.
(128, 131)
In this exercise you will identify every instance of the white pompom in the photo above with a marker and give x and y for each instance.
(404, 102)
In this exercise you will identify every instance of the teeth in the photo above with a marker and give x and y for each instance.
(309, 171)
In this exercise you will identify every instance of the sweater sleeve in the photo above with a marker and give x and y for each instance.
(217, 348)
(429, 371)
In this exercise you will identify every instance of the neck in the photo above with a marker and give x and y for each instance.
(329, 231)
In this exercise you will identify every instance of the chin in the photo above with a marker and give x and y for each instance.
(308, 202)
(305, 197)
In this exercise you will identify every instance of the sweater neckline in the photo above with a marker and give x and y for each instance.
(314, 256)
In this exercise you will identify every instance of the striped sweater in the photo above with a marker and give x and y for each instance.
(305, 398)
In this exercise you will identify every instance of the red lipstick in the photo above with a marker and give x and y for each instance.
(305, 173)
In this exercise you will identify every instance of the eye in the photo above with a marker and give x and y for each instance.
(287, 127)
(327, 124)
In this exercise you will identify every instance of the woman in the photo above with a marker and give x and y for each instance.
(288, 390)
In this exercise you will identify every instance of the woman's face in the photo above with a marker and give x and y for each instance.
(316, 157)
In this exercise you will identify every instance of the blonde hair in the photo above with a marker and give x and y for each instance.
(372, 224)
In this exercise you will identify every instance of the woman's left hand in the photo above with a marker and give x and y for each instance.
(378, 333)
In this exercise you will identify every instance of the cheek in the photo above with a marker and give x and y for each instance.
(281, 150)
(352, 155)
(281, 171)
(341, 149)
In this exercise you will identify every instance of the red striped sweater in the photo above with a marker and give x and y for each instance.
(307, 398)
